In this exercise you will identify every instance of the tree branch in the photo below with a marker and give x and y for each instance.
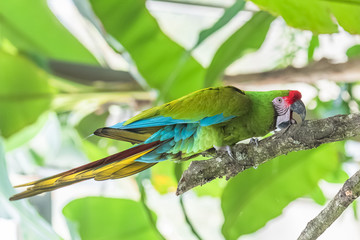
(323, 69)
(308, 135)
(347, 194)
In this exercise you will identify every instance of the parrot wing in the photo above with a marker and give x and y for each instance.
(204, 108)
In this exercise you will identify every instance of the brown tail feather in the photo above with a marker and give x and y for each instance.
(118, 165)
(132, 135)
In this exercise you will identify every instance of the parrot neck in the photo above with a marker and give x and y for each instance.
(259, 121)
(262, 114)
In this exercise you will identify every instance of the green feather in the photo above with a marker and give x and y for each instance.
(255, 115)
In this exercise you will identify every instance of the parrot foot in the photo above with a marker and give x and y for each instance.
(254, 141)
(225, 149)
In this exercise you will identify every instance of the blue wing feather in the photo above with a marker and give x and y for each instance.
(179, 135)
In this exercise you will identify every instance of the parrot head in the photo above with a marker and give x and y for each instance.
(286, 106)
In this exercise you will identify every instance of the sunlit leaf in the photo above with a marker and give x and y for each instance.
(247, 38)
(163, 63)
(32, 27)
(255, 196)
(347, 15)
(306, 14)
(109, 218)
(32, 226)
(24, 92)
(316, 15)
(229, 13)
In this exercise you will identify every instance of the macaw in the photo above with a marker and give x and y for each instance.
(181, 130)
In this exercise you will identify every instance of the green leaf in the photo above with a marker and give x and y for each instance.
(229, 13)
(316, 15)
(33, 28)
(163, 177)
(213, 189)
(354, 207)
(313, 44)
(318, 196)
(32, 226)
(306, 14)
(24, 92)
(163, 63)
(347, 15)
(26, 134)
(337, 176)
(247, 38)
(354, 51)
(109, 218)
(256, 196)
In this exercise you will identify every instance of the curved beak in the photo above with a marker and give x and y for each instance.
(299, 108)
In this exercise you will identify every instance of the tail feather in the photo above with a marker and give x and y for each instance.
(118, 165)
(129, 135)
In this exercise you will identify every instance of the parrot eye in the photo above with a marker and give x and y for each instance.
(278, 101)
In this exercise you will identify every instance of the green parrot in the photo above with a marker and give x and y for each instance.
(182, 129)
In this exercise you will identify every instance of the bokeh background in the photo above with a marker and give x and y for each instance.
(70, 67)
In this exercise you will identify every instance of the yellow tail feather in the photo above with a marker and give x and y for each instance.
(120, 168)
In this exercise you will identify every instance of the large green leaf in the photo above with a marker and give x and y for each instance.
(347, 15)
(315, 15)
(32, 27)
(24, 93)
(163, 63)
(109, 218)
(32, 226)
(247, 38)
(255, 196)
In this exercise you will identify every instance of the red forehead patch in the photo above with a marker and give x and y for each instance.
(293, 97)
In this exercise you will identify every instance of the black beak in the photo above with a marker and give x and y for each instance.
(299, 108)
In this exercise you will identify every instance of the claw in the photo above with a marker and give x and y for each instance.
(225, 149)
(254, 141)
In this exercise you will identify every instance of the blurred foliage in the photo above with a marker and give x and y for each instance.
(32, 226)
(247, 38)
(117, 219)
(313, 44)
(34, 29)
(31, 35)
(276, 183)
(25, 95)
(229, 13)
(163, 63)
(354, 51)
(315, 16)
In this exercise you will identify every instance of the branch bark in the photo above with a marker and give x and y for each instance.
(323, 69)
(347, 194)
(310, 134)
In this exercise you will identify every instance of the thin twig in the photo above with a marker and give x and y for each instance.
(147, 209)
(187, 219)
(347, 194)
